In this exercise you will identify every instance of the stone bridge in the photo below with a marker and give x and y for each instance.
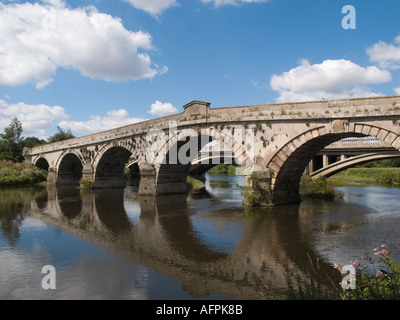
(273, 143)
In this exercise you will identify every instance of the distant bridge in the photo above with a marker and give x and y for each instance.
(353, 161)
(347, 153)
(273, 142)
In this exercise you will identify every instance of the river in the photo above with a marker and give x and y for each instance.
(112, 244)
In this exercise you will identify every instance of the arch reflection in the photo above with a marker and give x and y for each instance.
(271, 243)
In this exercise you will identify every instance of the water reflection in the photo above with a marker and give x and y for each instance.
(11, 217)
(171, 247)
(208, 246)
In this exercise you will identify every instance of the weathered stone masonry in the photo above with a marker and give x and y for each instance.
(275, 140)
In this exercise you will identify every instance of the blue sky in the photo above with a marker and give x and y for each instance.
(93, 65)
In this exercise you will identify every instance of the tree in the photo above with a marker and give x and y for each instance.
(10, 145)
(31, 142)
(60, 135)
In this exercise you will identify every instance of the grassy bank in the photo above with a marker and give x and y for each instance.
(365, 176)
(195, 186)
(223, 169)
(20, 174)
(376, 276)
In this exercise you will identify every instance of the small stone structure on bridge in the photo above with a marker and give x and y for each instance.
(272, 142)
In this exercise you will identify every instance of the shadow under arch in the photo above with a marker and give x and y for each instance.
(286, 179)
(110, 168)
(174, 169)
(133, 175)
(176, 155)
(69, 170)
(42, 163)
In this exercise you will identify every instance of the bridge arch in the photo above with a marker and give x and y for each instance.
(69, 168)
(174, 158)
(134, 175)
(288, 163)
(109, 166)
(42, 163)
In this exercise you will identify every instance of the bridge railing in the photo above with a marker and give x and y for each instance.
(358, 143)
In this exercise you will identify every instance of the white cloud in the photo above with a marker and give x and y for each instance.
(386, 55)
(36, 39)
(162, 109)
(154, 7)
(219, 3)
(113, 119)
(35, 119)
(397, 90)
(332, 79)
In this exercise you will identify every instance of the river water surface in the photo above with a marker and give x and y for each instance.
(112, 244)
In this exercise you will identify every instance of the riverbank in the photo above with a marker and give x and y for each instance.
(195, 186)
(20, 174)
(367, 176)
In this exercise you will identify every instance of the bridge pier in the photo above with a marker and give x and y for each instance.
(147, 186)
(87, 175)
(52, 176)
(261, 190)
(259, 187)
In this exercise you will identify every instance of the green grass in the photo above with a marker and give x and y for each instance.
(223, 169)
(195, 185)
(20, 174)
(386, 176)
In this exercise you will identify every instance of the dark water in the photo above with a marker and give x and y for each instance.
(112, 244)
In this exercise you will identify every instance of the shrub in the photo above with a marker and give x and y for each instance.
(195, 185)
(377, 277)
(85, 184)
(17, 174)
(318, 188)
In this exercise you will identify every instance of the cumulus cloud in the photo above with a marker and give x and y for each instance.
(35, 119)
(219, 3)
(386, 55)
(38, 38)
(332, 79)
(154, 7)
(397, 90)
(113, 119)
(162, 109)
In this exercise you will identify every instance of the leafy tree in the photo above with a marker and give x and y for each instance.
(60, 135)
(386, 163)
(31, 142)
(10, 144)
